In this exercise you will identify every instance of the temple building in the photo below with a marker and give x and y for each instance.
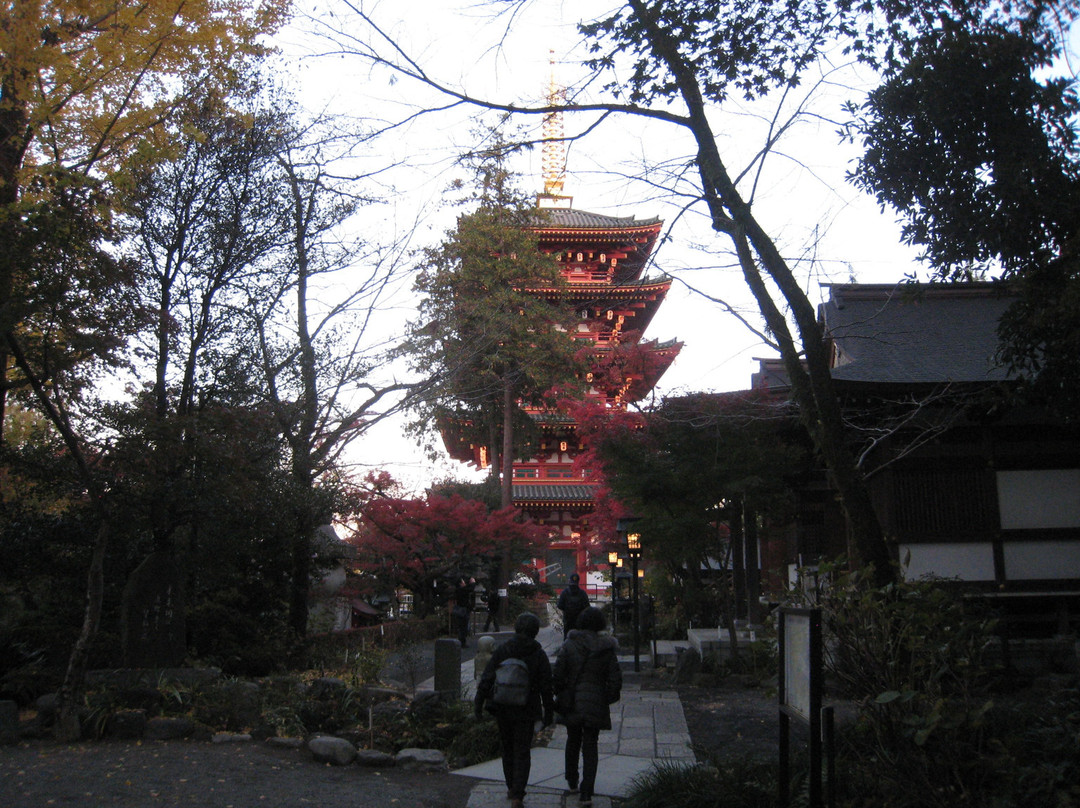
(603, 262)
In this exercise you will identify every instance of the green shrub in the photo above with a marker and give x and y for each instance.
(448, 726)
(1041, 731)
(914, 656)
(729, 784)
(758, 659)
(233, 705)
(527, 598)
(365, 666)
(228, 634)
(475, 741)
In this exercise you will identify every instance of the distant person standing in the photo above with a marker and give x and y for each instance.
(493, 600)
(586, 669)
(516, 717)
(463, 601)
(572, 602)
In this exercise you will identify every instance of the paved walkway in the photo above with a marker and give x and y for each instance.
(646, 726)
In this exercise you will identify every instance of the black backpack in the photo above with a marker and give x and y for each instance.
(511, 683)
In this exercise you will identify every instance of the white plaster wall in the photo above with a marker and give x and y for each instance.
(1042, 498)
(1053, 560)
(968, 561)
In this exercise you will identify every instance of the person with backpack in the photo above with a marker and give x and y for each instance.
(572, 602)
(516, 689)
(587, 679)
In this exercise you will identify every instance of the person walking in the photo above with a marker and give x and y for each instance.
(493, 599)
(587, 680)
(516, 720)
(572, 601)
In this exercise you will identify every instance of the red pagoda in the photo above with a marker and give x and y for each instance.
(603, 260)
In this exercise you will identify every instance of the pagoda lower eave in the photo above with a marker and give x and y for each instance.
(566, 496)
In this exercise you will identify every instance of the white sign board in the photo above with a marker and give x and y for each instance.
(797, 664)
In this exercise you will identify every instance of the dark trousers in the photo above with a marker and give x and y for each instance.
(492, 617)
(568, 622)
(461, 625)
(583, 741)
(515, 740)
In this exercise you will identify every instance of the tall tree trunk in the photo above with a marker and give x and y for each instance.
(300, 583)
(67, 728)
(67, 707)
(13, 144)
(811, 386)
(738, 559)
(727, 596)
(507, 487)
(753, 565)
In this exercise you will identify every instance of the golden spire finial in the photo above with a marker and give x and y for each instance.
(554, 154)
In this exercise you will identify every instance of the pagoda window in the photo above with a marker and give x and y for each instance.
(560, 474)
(525, 474)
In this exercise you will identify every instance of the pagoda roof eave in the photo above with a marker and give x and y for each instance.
(665, 354)
(594, 287)
(556, 495)
(574, 221)
(552, 418)
(594, 290)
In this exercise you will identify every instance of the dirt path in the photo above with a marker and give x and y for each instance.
(728, 719)
(732, 722)
(234, 775)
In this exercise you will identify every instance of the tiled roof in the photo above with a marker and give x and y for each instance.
(532, 492)
(915, 333)
(617, 288)
(568, 217)
(552, 418)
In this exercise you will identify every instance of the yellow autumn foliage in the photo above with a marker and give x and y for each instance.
(80, 80)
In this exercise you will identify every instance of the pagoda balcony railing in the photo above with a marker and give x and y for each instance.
(589, 276)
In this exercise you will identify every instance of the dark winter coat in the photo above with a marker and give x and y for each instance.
(541, 701)
(589, 659)
(572, 602)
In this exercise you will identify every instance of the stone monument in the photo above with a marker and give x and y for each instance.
(153, 627)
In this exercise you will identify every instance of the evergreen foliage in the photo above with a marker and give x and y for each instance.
(491, 331)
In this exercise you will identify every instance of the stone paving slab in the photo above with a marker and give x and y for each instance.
(493, 795)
